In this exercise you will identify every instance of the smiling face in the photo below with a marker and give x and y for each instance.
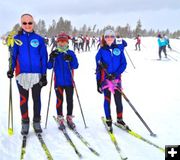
(109, 39)
(27, 23)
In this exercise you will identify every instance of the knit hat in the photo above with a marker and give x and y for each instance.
(63, 37)
(109, 32)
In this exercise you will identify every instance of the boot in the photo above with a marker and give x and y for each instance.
(109, 125)
(70, 123)
(25, 126)
(122, 124)
(37, 125)
(61, 122)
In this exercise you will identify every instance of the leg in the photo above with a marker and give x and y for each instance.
(118, 102)
(107, 101)
(164, 50)
(160, 49)
(36, 95)
(24, 95)
(69, 99)
(59, 102)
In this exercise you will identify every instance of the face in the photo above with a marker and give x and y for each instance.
(27, 23)
(62, 43)
(109, 39)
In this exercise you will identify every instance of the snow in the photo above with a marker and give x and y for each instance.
(152, 87)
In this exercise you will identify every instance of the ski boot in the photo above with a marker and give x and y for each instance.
(122, 124)
(109, 125)
(60, 120)
(70, 123)
(25, 126)
(37, 125)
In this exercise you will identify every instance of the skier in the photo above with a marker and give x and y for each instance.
(162, 45)
(167, 40)
(29, 61)
(87, 42)
(138, 42)
(64, 62)
(110, 64)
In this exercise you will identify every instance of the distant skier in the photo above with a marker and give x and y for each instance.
(87, 42)
(53, 43)
(46, 40)
(29, 61)
(167, 40)
(162, 42)
(138, 42)
(110, 64)
(65, 62)
(93, 41)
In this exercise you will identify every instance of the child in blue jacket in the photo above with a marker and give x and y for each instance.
(111, 63)
(63, 61)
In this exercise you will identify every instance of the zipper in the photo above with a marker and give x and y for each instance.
(30, 62)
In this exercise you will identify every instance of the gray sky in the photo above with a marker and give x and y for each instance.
(158, 14)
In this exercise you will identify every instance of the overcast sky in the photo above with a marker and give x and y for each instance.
(156, 14)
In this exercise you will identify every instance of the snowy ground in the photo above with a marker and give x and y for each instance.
(153, 88)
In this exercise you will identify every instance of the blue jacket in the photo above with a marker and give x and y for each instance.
(113, 56)
(162, 42)
(62, 71)
(31, 56)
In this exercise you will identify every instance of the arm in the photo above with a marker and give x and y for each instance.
(44, 55)
(122, 65)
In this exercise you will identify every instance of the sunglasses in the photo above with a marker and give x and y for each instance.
(109, 37)
(29, 23)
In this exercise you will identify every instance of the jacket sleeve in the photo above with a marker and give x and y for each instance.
(122, 65)
(44, 55)
(98, 71)
(124, 43)
(50, 64)
(74, 63)
(14, 54)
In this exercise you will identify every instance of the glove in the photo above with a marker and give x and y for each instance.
(99, 87)
(10, 74)
(111, 76)
(43, 81)
(54, 54)
(67, 58)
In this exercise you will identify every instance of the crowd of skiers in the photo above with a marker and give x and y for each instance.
(30, 62)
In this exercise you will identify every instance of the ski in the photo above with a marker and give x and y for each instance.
(84, 141)
(23, 147)
(113, 139)
(46, 150)
(64, 131)
(132, 133)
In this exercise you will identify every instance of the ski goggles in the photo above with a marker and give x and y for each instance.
(109, 37)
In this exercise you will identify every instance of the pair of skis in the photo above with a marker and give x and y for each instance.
(132, 133)
(64, 131)
(43, 145)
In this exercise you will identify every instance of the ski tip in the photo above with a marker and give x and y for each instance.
(10, 131)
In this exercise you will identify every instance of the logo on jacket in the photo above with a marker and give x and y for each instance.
(34, 43)
(116, 51)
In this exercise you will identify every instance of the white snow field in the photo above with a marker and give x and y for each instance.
(153, 87)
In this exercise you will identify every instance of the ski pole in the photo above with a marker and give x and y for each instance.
(136, 112)
(74, 84)
(52, 75)
(130, 59)
(125, 97)
(10, 112)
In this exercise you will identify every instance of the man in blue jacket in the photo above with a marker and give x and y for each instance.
(162, 42)
(63, 61)
(111, 63)
(29, 61)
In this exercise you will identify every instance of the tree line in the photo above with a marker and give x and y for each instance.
(65, 25)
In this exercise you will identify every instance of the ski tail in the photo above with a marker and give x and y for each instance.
(69, 139)
(136, 135)
(114, 141)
